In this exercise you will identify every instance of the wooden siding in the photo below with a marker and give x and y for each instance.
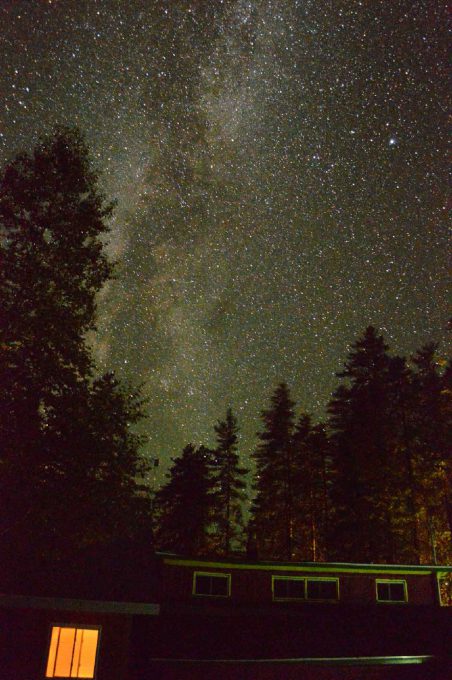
(252, 587)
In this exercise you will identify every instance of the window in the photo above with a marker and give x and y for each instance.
(445, 589)
(391, 591)
(211, 585)
(322, 589)
(302, 588)
(288, 588)
(72, 652)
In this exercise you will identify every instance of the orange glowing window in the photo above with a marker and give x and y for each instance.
(72, 652)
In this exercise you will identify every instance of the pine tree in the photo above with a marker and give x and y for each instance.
(363, 439)
(311, 485)
(401, 476)
(68, 457)
(273, 507)
(229, 486)
(183, 504)
(429, 433)
(446, 408)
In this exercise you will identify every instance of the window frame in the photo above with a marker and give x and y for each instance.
(76, 626)
(214, 574)
(276, 577)
(328, 579)
(389, 581)
(306, 597)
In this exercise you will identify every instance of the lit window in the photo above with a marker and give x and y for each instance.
(287, 588)
(72, 652)
(322, 589)
(391, 591)
(212, 585)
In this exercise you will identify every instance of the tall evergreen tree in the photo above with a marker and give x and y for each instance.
(273, 512)
(68, 458)
(446, 405)
(311, 486)
(229, 486)
(401, 476)
(429, 443)
(363, 432)
(183, 504)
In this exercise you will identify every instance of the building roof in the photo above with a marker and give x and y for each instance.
(321, 567)
(66, 604)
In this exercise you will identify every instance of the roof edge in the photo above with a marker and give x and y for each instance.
(169, 558)
(74, 605)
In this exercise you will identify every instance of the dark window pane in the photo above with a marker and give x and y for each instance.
(383, 591)
(286, 588)
(219, 585)
(397, 592)
(322, 590)
(280, 587)
(296, 589)
(202, 585)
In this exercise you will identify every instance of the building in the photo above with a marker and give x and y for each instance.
(226, 619)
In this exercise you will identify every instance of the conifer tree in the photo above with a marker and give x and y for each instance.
(429, 443)
(363, 437)
(183, 504)
(273, 512)
(311, 485)
(229, 486)
(391, 470)
(446, 407)
(68, 457)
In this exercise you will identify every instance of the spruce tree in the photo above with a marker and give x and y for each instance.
(273, 512)
(311, 485)
(363, 437)
(229, 486)
(183, 505)
(429, 442)
(68, 456)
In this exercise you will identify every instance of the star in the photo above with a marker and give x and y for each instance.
(259, 225)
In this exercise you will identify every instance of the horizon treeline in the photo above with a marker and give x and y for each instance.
(372, 483)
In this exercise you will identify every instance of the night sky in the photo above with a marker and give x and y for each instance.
(281, 178)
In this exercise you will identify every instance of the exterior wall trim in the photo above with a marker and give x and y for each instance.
(313, 567)
(308, 661)
(64, 604)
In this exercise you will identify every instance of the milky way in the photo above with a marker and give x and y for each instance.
(281, 178)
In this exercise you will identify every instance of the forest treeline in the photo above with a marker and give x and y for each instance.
(371, 483)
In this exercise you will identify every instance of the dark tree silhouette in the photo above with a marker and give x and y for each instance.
(183, 504)
(311, 487)
(273, 507)
(362, 424)
(428, 443)
(68, 457)
(229, 486)
(391, 466)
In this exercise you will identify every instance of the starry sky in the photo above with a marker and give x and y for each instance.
(280, 174)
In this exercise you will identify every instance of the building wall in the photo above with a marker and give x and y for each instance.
(250, 586)
(24, 642)
(167, 670)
